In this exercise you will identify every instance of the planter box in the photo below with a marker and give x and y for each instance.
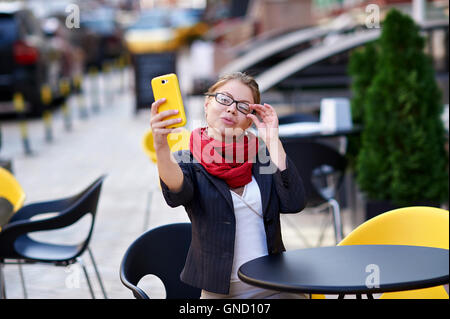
(375, 208)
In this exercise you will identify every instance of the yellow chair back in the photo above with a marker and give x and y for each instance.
(11, 189)
(177, 142)
(415, 226)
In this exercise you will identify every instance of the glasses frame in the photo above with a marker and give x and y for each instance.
(233, 101)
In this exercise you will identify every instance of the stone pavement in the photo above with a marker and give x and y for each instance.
(107, 142)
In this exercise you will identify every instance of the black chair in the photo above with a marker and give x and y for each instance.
(297, 118)
(161, 252)
(322, 169)
(15, 243)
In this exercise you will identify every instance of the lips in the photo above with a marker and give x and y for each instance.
(228, 121)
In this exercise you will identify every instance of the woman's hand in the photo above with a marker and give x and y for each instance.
(158, 124)
(268, 127)
(268, 132)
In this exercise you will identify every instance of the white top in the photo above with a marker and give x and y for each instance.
(250, 241)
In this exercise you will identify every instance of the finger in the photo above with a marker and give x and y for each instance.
(155, 106)
(163, 131)
(254, 119)
(260, 109)
(166, 123)
(160, 116)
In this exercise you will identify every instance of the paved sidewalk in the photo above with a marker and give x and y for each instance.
(107, 142)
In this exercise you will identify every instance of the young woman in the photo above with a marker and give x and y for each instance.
(232, 186)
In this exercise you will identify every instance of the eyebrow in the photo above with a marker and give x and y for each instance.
(231, 95)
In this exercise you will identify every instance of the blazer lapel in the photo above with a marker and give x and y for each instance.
(221, 186)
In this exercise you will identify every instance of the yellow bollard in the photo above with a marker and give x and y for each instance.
(46, 98)
(80, 98)
(19, 106)
(94, 89)
(64, 88)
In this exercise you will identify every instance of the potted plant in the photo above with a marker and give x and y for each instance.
(401, 159)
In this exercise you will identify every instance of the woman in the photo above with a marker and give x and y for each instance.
(231, 191)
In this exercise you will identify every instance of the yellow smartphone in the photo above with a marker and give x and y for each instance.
(166, 86)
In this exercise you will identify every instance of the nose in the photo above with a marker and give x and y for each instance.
(232, 108)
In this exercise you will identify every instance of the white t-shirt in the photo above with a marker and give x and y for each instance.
(250, 241)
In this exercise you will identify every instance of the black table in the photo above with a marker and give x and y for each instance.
(358, 269)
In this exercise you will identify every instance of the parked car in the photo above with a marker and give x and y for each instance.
(27, 60)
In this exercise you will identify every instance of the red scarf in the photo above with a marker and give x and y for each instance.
(231, 162)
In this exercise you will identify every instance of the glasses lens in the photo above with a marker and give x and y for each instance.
(244, 108)
(223, 99)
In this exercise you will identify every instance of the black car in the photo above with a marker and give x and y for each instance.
(27, 60)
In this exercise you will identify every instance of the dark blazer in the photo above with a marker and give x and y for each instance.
(207, 200)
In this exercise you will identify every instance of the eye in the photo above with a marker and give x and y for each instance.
(244, 107)
(222, 98)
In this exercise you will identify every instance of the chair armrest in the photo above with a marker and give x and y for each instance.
(31, 210)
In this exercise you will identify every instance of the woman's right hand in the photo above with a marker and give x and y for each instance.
(158, 124)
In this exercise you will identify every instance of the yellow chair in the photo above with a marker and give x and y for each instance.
(11, 189)
(177, 141)
(414, 226)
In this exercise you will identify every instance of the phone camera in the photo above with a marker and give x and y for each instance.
(164, 81)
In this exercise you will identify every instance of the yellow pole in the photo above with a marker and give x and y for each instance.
(64, 88)
(19, 106)
(46, 98)
(77, 81)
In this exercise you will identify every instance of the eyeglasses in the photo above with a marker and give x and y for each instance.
(224, 99)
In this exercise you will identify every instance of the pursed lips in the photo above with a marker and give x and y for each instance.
(228, 120)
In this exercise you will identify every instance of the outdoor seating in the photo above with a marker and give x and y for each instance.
(16, 244)
(414, 226)
(322, 170)
(161, 252)
(11, 189)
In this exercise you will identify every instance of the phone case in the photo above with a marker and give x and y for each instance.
(166, 86)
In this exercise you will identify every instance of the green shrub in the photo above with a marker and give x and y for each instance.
(402, 156)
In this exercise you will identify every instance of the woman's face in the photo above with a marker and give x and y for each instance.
(226, 121)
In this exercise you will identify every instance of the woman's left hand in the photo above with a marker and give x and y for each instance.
(268, 126)
(268, 132)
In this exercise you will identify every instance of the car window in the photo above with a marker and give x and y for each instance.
(8, 29)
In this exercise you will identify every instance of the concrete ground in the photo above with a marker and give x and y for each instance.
(107, 142)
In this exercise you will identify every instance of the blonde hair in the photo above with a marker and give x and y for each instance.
(244, 78)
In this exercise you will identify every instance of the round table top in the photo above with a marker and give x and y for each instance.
(357, 269)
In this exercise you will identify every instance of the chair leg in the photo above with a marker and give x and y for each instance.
(97, 273)
(323, 227)
(2, 282)
(22, 279)
(338, 232)
(81, 262)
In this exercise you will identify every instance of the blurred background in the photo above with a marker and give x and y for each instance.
(75, 96)
(42, 44)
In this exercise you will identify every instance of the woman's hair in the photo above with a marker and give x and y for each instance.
(244, 78)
